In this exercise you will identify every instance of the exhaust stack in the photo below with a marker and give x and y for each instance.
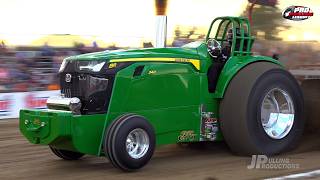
(161, 23)
(161, 31)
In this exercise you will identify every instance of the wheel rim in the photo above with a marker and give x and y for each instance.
(137, 143)
(277, 113)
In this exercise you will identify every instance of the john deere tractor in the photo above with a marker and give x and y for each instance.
(122, 104)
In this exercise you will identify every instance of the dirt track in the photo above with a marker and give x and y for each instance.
(22, 160)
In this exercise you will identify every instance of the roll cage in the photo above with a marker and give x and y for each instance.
(241, 42)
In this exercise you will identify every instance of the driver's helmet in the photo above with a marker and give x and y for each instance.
(230, 35)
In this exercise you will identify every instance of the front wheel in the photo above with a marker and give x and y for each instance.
(129, 142)
(66, 155)
(262, 111)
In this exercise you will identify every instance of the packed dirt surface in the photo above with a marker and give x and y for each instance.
(21, 160)
(311, 94)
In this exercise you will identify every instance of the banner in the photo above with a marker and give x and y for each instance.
(11, 103)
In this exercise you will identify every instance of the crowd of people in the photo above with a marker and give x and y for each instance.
(36, 68)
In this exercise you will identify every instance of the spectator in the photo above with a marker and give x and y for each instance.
(4, 73)
(47, 50)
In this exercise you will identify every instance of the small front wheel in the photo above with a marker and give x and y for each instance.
(66, 155)
(129, 142)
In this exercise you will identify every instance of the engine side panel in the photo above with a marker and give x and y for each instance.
(167, 94)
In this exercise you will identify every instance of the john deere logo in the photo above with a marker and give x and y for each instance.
(68, 78)
(37, 122)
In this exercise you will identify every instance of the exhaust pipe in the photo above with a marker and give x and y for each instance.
(161, 31)
(66, 104)
(161, 23)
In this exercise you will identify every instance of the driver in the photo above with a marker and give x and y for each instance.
(220, 56)
(217, 52)
(226, 51)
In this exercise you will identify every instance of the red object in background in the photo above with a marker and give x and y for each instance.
(4, 73)
(301, 14)
(20, 87)
(4, 105)
(35, 102)
(264, 2)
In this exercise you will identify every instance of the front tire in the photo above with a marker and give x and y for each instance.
(66, 155)
(129, 142)
(243, 117)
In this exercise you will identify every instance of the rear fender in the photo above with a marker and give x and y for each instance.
(233, 66)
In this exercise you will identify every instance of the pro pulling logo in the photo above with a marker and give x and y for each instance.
(297, 13)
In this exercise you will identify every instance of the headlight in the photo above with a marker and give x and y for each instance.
(93, 66)
(63, 65)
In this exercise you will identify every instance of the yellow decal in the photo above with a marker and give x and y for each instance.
(37, 122)
(152, 72)
(112, 65)
(187, 136)
(194, 62)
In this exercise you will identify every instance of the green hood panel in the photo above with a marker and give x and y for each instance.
(139, 53)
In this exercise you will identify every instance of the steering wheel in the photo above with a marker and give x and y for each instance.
(214, 48)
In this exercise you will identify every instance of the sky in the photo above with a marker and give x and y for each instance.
(127, 22)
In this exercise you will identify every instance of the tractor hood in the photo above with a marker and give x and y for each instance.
(183, 52)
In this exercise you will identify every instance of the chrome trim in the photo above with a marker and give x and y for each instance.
(137, 143)
(277, 113)
(62, 103)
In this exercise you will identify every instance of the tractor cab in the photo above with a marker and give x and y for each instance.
(227, 37)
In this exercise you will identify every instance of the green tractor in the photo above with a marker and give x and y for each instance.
(122, 104)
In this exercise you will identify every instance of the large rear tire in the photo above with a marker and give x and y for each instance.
(246, 126)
